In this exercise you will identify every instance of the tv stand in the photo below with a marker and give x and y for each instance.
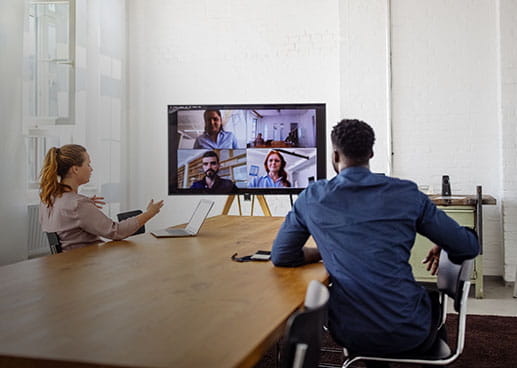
(261, 199)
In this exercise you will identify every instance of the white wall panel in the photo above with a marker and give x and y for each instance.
(13, 208)
(214, 52)
(445, 105)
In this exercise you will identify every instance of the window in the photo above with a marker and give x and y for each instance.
(49, 78)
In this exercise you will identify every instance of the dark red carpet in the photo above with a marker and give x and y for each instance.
(491, 342)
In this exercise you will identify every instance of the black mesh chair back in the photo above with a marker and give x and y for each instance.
(305, 328)
(54, 243)
(125, 215)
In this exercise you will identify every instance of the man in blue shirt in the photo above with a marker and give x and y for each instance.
(213, 183)
(364, 225)
(214, 137)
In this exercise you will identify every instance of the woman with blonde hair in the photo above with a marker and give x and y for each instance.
(76, 218)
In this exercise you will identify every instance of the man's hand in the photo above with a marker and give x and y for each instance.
(98, 201)
(433, 259)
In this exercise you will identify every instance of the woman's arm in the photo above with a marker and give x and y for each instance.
(152, 210)
(94, 221)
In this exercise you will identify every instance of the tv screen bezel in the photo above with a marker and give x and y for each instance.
(173, 143)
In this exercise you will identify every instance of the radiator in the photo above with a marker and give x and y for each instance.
(38, 243)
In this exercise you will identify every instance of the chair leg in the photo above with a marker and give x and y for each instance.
(331, 351)
(375, 364)
(277, 354)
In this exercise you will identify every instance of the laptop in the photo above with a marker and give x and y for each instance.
(193, 226)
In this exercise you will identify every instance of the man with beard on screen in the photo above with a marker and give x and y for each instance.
(212, 183)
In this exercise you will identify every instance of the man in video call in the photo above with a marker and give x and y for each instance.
(364, 225)
(214, 136)
(212, 183)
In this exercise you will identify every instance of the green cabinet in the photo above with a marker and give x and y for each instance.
(465, 216)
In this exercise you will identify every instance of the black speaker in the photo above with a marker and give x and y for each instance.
(446, 186)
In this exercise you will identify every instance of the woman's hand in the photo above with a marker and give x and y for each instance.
(98, 201)
(433, 259)
(151, 210)
(154, 207)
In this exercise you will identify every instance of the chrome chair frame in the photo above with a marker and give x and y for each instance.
(453, 281)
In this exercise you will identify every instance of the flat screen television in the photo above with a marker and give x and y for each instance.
(238, 149)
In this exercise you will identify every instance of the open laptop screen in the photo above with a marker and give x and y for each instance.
(199, 215)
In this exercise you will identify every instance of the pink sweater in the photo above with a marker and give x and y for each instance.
(78, 222)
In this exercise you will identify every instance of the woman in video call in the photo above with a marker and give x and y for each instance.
(276, 176)
(77, 219)
(214, 136)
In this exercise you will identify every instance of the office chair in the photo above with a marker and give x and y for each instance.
(124, 215)
(55, 244)
(454, 281)
(304, 329)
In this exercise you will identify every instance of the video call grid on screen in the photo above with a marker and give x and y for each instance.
(253, 137)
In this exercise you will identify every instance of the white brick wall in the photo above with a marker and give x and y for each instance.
(445, 104)
(453, 97)
(364, 71)
(508, 65)
(223, 51)
(444, 95)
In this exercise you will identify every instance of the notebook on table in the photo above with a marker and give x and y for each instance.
(193, 226)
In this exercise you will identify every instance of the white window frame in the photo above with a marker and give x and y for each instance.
(42, 129)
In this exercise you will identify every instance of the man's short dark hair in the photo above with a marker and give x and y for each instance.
(211, 154)
(354, 138)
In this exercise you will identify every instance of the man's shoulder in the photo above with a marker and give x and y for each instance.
(315, 189)
(225, 182)
(198, 184)
(406, 191)
(319, 183)
(402, 182)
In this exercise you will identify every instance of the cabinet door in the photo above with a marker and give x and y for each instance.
(463, 215)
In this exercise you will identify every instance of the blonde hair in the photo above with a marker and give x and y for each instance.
(55, 166)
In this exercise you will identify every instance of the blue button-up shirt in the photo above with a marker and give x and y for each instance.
(364, 225)
(265, 182)
(224, 140)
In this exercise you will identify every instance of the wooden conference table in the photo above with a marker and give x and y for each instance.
(148, 302)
